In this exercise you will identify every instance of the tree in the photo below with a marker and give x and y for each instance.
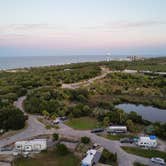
(135, 117)
(54, 116)
(61, 149)
(121, 116)
(11, 118)
(108, 157)
(85, 140)
(106, 121)
(55, 136)
(45, 113)
(130, 125)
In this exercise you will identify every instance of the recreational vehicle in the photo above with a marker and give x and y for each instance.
(91, 158)
(149, 142)
(117, 129)
(30, 146)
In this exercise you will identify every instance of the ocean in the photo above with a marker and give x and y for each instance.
(36, 61)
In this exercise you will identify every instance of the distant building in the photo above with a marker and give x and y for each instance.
(148, 141)
(92, 158)
(135, 58)
(30, 146)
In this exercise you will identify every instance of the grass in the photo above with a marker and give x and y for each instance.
(117, 136)
(144, 152)
(139, 164)
(48, 158)
(83, 123)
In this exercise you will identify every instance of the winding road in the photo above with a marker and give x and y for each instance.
(36, 128)
(104, 72)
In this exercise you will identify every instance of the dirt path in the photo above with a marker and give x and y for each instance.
(104, 72)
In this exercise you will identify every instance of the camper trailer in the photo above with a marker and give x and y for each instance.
(91, 158)
(149, 142)
(30, 146)
(117, 129)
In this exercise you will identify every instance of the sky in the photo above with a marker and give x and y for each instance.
(71, 27)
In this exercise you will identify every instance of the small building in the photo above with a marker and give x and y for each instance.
(117, 129)
(148, 141)
(30, 146)
(92, 158)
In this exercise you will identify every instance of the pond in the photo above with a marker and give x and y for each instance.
(147, 112)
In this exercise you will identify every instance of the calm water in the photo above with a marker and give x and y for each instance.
(147, 112)
(31, 61)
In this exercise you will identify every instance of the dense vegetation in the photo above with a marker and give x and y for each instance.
(44, 95)
(132, 88)
(16, 84)
(11, 118)
(151, 64)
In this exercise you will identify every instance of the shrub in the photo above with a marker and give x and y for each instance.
(48, 127)
(108, 157)
(61, 149)
(55, 136)
(85, 140)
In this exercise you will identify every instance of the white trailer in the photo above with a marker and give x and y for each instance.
(30, 146)
(91, 158)
(149, 142)
(117, 129)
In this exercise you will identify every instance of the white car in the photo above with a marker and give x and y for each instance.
(158, 160)
(57, 121)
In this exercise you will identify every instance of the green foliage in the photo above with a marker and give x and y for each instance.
(135, 117)
(106, 121)
(139, 164)
(79, 110)
(108, 157)
(130, 125)
(55, 136)
(151, 64)
(45, 113)
(61, 149)
(132, 88)
(85, 140)
(160, 130)
(117, 116)
(80, 95)
(11, 118)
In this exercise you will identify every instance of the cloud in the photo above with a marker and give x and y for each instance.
(143, 24)
(115, 26)
(26, 29)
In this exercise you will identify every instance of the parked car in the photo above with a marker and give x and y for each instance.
(126, 140)
(158, 160)
(98, 130)
(57, 121)
(2, 149)
(63, 118)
